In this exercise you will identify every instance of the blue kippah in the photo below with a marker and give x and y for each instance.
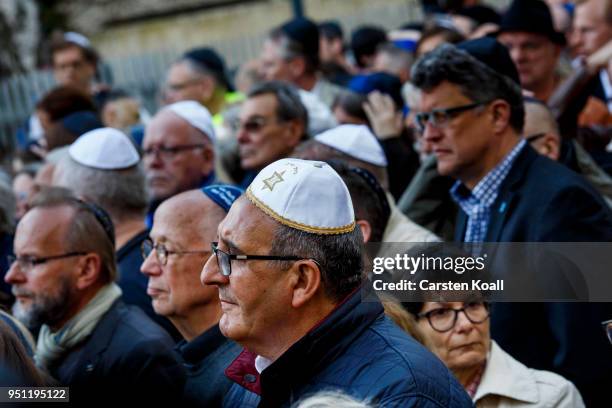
(222, 194)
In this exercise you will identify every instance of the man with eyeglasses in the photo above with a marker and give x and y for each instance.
(63, 280)
(183, 228)
(272, 123)
(473, 118)
(178, 151)
(288, 265)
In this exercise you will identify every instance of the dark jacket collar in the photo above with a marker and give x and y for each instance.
(202, 346)
(506, 199)
(319, 347)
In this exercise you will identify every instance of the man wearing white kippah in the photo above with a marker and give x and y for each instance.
(104, 166)
(178, 150)
(289, 269)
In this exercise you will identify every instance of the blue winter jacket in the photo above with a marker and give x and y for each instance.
(356, 350)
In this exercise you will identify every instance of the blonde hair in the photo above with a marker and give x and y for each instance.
(401, 317)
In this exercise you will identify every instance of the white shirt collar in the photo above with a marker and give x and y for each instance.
(261, 363)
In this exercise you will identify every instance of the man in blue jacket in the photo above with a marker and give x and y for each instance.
(288, 266)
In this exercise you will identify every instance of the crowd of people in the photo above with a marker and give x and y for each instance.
(212, 253)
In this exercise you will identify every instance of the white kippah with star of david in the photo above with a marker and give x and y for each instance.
(303, 194)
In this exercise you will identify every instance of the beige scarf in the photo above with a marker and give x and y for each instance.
(53, 346)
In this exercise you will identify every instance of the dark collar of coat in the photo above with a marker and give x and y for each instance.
(506, 198)
(319, 347)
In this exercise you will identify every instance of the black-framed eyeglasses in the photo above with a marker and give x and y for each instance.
(170, 151)
(224, 259)
(534, 137)
(27, 262)
(441, 117)
(444, 319)
(162, 252)
(607, 326)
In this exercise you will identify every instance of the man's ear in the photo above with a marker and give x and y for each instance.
(295, 131)
(366, 230)
(208, 162)
(500, 115)
(89, 269)
(306, 283)
(550, 147)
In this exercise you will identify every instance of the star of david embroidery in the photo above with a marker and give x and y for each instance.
(273, 180)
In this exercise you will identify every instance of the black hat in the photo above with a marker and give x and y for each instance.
(531, 16)
(305, 33)
(493, 54)
(209, 59)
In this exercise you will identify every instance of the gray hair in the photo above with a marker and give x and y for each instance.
(120, 192)
(475, 79)
(289, 106)
(340, 256)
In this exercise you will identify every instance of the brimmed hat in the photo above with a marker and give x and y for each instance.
(531, 16)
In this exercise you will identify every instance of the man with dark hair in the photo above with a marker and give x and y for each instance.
(291, 53)
(74, 62)
(272, 122)
(472, 115)
(199, 75)
(372, 210)
(63, 279)
(289, 266)
(334, 65)
(364, 42)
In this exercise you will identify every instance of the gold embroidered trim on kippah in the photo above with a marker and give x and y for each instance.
(303, 227)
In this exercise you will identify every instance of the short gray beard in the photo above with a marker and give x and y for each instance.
(45, 308)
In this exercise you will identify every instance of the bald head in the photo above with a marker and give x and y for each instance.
(541, 129)
(189, 216)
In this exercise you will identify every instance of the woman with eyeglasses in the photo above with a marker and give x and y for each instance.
(458, 333)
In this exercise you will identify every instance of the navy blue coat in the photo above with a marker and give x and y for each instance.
(357, 350)
(205, 359)
(127, 358)
(543, 201)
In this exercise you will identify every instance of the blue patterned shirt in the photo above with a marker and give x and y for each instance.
(477, 203)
